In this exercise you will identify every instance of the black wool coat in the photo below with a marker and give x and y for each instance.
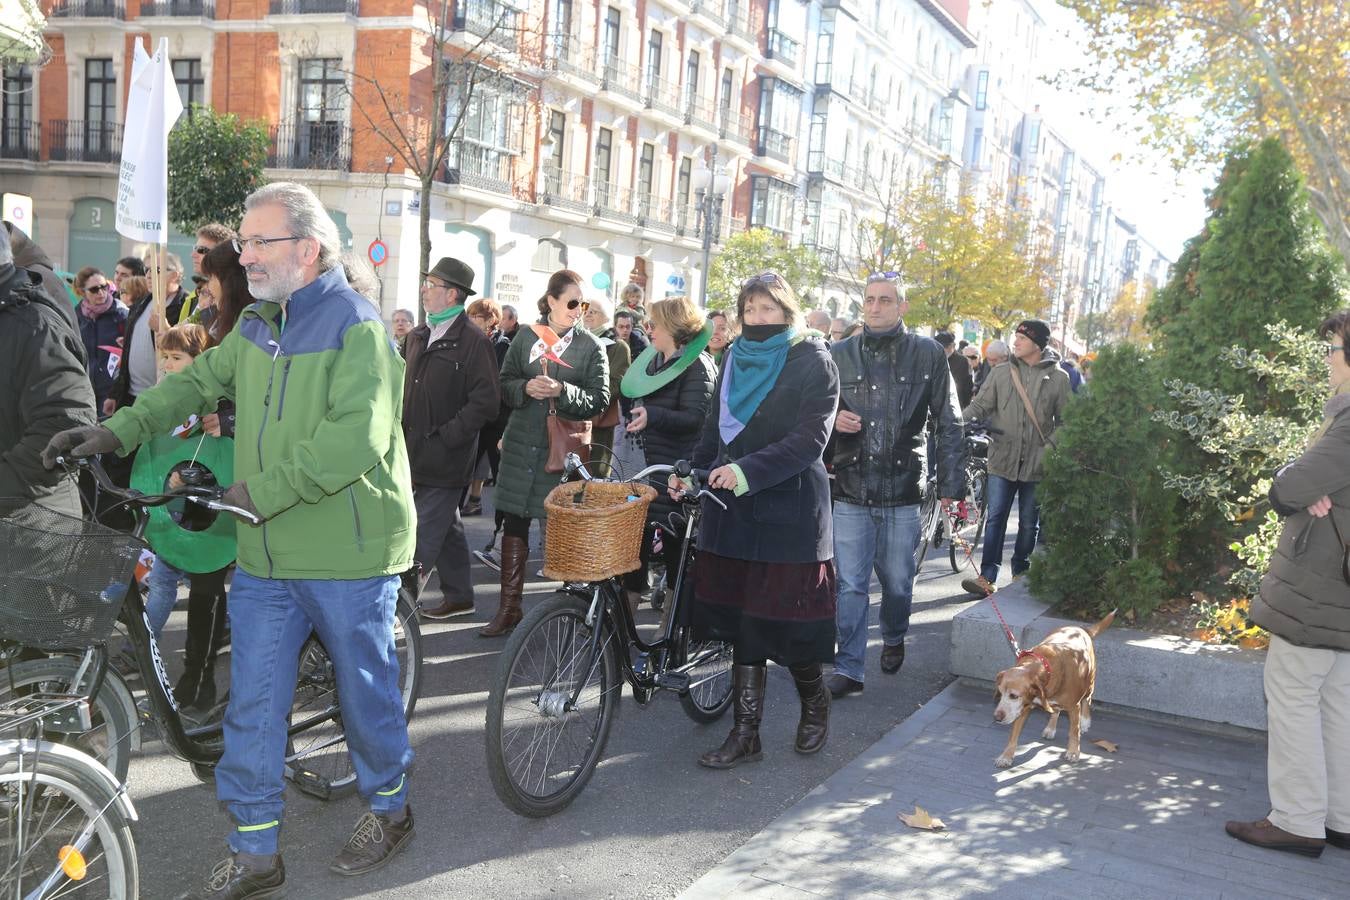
(676, 413)
(785, 516)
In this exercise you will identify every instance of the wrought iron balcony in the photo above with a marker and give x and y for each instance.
(564, 190)
(325, 146)
(733, 126)
(73, 140)
(311, 7)
(202, 9)
(738, 20)
(661, 95)
(618, 76)
(496, 22)
(699, 111)
(571, 57)
(89, 9)
(712, 10)
(477, 166)
(783, 47)
(654, 213)
(775, 145)
(20, 140)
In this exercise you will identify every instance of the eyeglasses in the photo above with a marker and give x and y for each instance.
(971, 356)
(584, 304)
(763, 278)
(203, 249)
(1331, 348)
(882, 276)
(257, 244)
(428, 283)
(96, 288)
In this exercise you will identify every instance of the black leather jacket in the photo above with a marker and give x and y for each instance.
(902, 388)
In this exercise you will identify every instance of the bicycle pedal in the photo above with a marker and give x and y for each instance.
(673, 681)
(310, 783)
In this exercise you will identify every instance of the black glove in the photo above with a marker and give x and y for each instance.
(86, 440)
(237, 495)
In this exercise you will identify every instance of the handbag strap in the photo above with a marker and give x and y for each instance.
(1345, 548)
(1026, 401)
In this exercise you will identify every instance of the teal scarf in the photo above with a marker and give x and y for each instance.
(445, 315)
(752, 372)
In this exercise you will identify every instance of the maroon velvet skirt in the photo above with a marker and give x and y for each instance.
(778, 611)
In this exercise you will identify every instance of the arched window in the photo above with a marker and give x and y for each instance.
(549, 256)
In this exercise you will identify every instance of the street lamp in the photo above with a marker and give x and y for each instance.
(709, 184)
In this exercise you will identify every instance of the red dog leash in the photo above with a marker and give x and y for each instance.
(1018, 652)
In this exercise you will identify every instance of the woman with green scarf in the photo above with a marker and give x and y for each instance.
(764, 580)
(671, 385)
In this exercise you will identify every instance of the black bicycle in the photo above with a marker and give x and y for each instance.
(317, 761)
(966, 517)
(558, 680)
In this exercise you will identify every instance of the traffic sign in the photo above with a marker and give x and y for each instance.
(378, 252)
(18, 209)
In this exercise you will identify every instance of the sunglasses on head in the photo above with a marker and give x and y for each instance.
(202, 249)
(96, 288)
(584, 304)
(763, 278)
(882, 276)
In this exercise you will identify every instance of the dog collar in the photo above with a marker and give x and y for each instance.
(1032, 653)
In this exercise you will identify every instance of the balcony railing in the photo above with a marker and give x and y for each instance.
(733, 126)
(571, 58)
(708, 9)
(565, 190)
(699, 111)
(661, 95)
(202, 9)
(775, 145)
(783, 47)
(475, 165)
(20, 140)
(307, 7)
(495, 22)
(654, 212)
(89, 9)
(620, 77)
(325, 146)
(72, 140)
(614, 202)
(738, 20)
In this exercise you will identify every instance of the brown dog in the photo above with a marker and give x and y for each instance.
(1058, 674)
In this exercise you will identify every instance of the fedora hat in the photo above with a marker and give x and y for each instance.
(454, 273)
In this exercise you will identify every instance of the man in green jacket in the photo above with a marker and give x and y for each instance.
(319, 456)
(1017, 445)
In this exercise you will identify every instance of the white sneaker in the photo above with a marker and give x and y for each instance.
(489, 559)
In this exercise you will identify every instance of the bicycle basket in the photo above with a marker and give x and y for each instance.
(594, 529)
(62, 579)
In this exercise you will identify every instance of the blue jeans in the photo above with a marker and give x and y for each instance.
(163, 594)
(271, 619)
(883, 538)
(999, 498)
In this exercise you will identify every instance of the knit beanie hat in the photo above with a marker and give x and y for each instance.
(1038, 331)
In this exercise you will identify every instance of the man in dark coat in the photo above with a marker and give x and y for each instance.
(450, 391)
(962, 376)
(46, 388)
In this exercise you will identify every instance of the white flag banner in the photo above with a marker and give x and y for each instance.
(153, 105)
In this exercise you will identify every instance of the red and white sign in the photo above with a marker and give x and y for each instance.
(18, 210)
(378, 252)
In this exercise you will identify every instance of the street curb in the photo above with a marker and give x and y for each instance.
(1174, 676)
(730, 876)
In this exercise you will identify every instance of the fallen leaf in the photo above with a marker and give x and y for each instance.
(922, 820)
(1106, 745)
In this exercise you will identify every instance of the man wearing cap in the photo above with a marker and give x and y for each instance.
(450, 391)
(1031, 382)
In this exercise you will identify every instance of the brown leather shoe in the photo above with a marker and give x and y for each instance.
(980, 586)
(742, 744)
(515, 553)
(1339, 839)
(1262, 833)
(814, 726)
(241, 876)
(448, 609)
(892, 658)
(374, 841)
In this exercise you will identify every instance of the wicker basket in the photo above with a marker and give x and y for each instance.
(594, 529)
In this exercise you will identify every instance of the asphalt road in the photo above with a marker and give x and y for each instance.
(650, 822)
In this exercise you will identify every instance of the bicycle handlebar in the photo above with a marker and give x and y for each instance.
(208, 497)
(572, 465)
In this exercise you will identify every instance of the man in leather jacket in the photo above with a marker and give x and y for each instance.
(895, 386)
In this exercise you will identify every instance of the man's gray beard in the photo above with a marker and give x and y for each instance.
(277, 289)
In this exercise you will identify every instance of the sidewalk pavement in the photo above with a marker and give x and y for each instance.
(1146, 821)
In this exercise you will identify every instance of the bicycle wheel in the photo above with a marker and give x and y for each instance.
(709, 694)
(47, 802)
(541, 750)
(971, 532)
(928, 514)
(110, 739)
(317, 759)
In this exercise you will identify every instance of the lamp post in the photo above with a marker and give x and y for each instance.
(709, 184)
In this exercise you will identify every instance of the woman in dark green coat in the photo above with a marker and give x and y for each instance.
(530, 381)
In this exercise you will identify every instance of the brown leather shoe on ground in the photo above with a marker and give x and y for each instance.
(1262, 833)
(892, 658)
(241, 877)
(448, 609)
(374, 841)
(1339, 839)
(980, 587)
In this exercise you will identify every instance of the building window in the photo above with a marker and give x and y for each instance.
(17, 98)
(187, 75)
(485, 145)
(727, 80)
(604, 147)
(646, 172)
(549, 255)
(557, 130)
(771, 203)
(562, 27)
(682, 191)
(322, 91)
(976, 146)
(779, 115)
(612, 22)
(654, 55)
(982, 90)
(691, 75)
(100, 91)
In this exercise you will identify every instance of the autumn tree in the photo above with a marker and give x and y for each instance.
(1125, 318)
(757, 251)
(1205, 74)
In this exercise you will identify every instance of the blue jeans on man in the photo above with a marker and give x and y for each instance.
(272, 619)
(867, 538)
(999, 493)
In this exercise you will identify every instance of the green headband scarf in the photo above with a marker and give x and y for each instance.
(637, 383)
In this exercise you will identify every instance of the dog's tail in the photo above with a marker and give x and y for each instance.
(1103, 624)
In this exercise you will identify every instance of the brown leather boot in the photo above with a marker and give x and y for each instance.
(515, 552)
(742, 744)
(814, 726)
